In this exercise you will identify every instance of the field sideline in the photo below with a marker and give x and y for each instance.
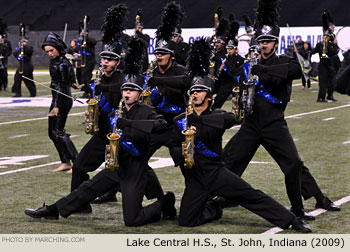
(320, 130)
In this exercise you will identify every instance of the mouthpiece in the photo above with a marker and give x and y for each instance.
(195, 98)
(264, 47)
(126, 98)
(104, 66)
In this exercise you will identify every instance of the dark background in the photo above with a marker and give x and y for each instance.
(41, 16)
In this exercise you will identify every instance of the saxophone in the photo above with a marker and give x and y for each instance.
(21, 49)
(324, 47)
(112, 150)
(83, 45)
(249, 91)
(188, 144)
(91, 115)
(146, 93)
(236, 109)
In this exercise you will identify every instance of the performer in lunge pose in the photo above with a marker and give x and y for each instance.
(266, 125)
(135, 120)
(197, 149)
(62, 78)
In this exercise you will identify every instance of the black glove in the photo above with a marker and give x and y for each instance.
(193, 118)
(100, 88)
(153, 81)
(122, 122)
(258, 69)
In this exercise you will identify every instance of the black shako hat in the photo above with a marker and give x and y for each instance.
(198, 63)
(232, 34)
(133, 79)
(172, 17)
(54, 40)
(266, 22)
(112, 28)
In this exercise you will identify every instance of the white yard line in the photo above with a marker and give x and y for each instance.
(313, 213)
(29, 168)
(36, 119)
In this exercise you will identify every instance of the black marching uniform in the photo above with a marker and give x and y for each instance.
(62, 77)
(228, 79)
(86, 72)
(131, 174)
(180, 51)
(209, 177)
(217, 60)
(326, 70)
(5, 52)
(343, 76)
(169, 99)
(28, 69)
(92, 154)
(267, 127)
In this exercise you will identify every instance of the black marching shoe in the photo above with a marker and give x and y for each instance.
(168, 207)
(42, 212)
(301, 226)
(327, 204)
(302, 214)
(218, 202)
(331, 98)
(321, 100)
(105, 198)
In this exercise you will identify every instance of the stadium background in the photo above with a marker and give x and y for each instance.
(42, 16)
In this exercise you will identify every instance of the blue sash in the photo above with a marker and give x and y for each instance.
(260, 89)
(103, 103)
(124, 141)
(162, 104)
(199, 146)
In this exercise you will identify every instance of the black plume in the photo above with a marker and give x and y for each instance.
(222, 28)
(3, 27)
(133, 58)
(198, 60)
(233, 30)
(114, 23)
(231, 17)
(139, 13)
(219, 11)
(247, 21)
(267, 13)
(325, 21)
(172, 17)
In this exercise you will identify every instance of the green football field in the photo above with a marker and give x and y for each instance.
(321, 132)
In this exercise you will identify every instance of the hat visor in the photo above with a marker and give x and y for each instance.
(199, 87)
(109, 55)
(266, 37)
(161, 50)
(131, 86)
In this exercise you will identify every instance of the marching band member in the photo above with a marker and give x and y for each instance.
(267, 126)
(137, 120)
(208, 180)
(5, 52)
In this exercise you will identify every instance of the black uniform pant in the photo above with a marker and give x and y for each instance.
(132, 182)
(28, 72)
(278, 142)
(158, 140)
(92, 156)
(193, 210)
(59, 137)
(326, 75)
(224, 91)
(3, 78)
